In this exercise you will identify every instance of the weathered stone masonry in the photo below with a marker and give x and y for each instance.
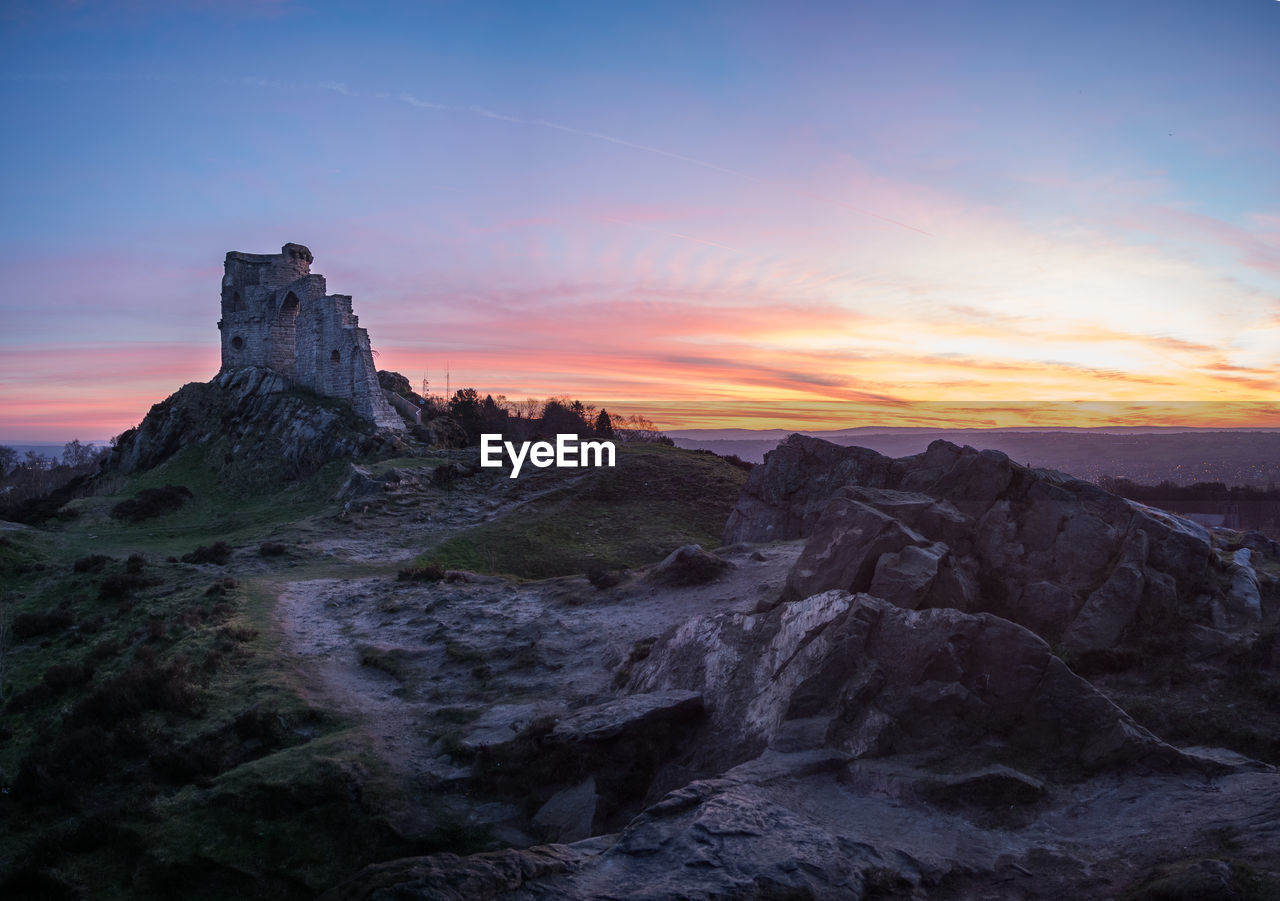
(276, 314)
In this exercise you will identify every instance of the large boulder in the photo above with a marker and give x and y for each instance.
(784, 498)
(956, 527)
(688, 564)
(859, 675)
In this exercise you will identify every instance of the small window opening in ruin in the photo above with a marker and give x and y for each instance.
(335, 357)
(237, 342)
(237, 303)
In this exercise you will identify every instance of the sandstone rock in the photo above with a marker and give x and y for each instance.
(523, 753)
(570, 815)
(1205, 643)
(248, 421)
(1047, 551)
(1260, 543)
(905, 577)
(845, 547)
(783, 498)
(995, 796)
(1244, 595)
(502, 724)
(448, 877)
(1046, 607)
(688, 565)
(888, 680)
(636, 712)
(811, 826)
(1108, 611)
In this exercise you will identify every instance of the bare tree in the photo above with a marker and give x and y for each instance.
(637, 428)
(75, 454)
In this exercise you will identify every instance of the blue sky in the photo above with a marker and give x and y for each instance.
(653, 204)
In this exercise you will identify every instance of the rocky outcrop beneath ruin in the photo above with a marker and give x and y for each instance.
(249, 422)
(971, 530)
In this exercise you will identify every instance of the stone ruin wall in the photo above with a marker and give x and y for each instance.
(276, 314)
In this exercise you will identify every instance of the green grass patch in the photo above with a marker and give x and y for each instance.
(151, 744)
(656, 499)
(228, 512)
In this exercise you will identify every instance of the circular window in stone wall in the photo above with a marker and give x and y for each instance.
(237, 342)
(335, 357)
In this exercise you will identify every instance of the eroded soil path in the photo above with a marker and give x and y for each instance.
(418, 664)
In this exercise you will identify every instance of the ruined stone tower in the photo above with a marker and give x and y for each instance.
(275, 314)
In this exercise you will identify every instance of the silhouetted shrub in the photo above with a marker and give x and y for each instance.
(36, 510)
(429, 573)
(91, 564)
(118, 586)
(66, 675)
(39, 783)
(92, 624)
(220, 587)
(238, 634)
(152, 502)
(135, 564)
(155, 629)
(271, 549)
(145, 685)
(103, 650)
(32, 697)
(30, 625)
(218, 553)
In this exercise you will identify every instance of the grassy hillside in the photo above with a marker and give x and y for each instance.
(154, 738)
(152, 744)
(656, 499)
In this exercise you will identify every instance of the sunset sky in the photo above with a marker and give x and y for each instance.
(751, 214)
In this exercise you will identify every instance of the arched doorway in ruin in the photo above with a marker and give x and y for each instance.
(284, 335)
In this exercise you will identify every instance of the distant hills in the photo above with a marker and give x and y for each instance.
(1143, 454)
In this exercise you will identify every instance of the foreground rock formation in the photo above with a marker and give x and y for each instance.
(954, 527)
(897, 719)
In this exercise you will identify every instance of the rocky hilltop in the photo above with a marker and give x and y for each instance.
(253, 423)
(898, 716)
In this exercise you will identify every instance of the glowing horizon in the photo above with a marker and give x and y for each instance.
(727, 216)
